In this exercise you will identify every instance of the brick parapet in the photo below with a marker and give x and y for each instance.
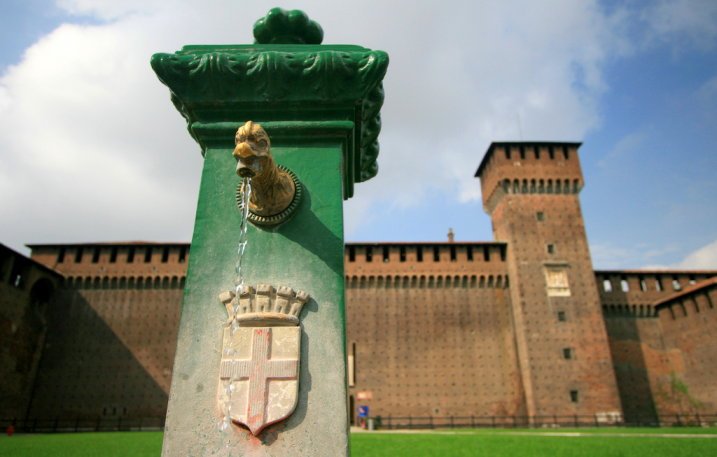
(92, 260)
(529, 168)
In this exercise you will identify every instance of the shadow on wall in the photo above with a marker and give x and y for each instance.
(86, 371)
(626, 332)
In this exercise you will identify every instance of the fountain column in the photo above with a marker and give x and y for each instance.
(319, 104)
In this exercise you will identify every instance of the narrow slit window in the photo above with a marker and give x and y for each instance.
(147, 254)
(130, 255)
(352, 254)
(436, 254)
(606, 285)
(385, 254)
(369, 254)
(113, 254)
(165, 254)
(95, 255)
(419, 253)
(402, 254)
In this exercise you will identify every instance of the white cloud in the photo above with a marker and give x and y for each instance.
(93, 149)
(704, 258)
(681, 22)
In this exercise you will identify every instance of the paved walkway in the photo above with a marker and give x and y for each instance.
(553, 434)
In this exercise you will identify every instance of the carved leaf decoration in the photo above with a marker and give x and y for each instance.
(271, 73)
(330, 73)
(207, 81)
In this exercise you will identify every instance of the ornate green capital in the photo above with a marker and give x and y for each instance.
(306, 86)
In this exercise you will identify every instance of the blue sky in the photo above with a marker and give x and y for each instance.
(636, 82)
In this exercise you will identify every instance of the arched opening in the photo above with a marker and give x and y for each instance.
(41, 293)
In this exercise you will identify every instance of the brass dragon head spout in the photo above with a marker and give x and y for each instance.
(272, 188)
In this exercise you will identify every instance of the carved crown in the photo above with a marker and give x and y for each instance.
(265, 306)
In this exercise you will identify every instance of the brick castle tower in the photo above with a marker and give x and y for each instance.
(530, 190)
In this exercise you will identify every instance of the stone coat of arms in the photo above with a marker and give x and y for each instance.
(261, 347)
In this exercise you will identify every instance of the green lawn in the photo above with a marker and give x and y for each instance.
(494, 443)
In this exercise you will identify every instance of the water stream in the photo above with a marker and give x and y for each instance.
(229, 386)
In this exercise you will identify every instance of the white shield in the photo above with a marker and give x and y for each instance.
(259, 374)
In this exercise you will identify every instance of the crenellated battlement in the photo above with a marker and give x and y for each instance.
(529, 168)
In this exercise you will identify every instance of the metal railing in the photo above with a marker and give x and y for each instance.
(551, 421)
(108, 424)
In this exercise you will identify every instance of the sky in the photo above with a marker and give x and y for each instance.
(91, 148)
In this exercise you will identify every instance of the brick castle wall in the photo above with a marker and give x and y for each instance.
(429, 330)
(111, 343)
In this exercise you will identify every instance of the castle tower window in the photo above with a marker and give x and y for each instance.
(561, 316)
(566, 153)
(676, 284)
(522, 152)
(402, 254)
(550, 248)
(540, 216)
(113, 254)
(469, 253)
(130, 255)
(419, 253)
(658, 284)
(567, 353)
(61, 255)
(165, 254)
(453, 253)
(182, 254)
(574, 396)
(78, 255)
(436, 254)
(352, 254)
(692, 280)
(507, 152)
(606, 285)
(486, 253)
(385, 254)
(95, 255)
(624, 285)
(551, 152)
(643, 285)
(369, 254)
(536, 150)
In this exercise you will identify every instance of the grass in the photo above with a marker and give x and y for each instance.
(494, 443)
(112, 444)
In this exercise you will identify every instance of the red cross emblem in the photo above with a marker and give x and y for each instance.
(258, 376)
